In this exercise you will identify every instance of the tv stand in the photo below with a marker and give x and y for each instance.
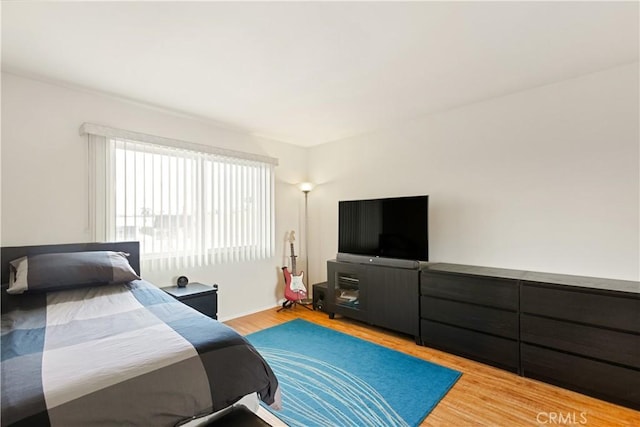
(381, 295)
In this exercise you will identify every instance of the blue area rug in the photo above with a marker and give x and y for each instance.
(329, 378)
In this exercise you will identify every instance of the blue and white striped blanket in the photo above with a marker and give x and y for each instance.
(120, 355)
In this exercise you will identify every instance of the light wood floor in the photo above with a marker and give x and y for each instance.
(483, 395)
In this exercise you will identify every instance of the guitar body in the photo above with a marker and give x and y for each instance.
(297, 285)
(294, 289)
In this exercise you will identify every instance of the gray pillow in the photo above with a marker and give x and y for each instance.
(48, 272)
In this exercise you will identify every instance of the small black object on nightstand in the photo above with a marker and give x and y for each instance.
(203, 298)
(182, 281)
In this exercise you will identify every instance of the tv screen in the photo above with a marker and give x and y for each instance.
(390, 228)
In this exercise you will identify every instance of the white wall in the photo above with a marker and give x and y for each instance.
(44, 178)
(545, 179)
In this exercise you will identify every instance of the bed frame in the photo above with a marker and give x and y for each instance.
(10, 253)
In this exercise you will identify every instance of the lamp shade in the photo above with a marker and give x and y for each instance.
(305, 187)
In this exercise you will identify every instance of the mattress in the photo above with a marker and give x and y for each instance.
(125, 354)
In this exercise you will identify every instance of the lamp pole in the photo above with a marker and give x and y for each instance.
(306, 234)
(306, 187)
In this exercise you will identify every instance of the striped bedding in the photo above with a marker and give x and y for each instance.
(121, 355)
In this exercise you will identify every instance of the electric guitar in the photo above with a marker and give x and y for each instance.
(292, 280)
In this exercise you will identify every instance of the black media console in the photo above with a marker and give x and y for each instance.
(581, 333)
(377, 294)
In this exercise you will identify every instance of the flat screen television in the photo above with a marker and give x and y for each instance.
(395, 227)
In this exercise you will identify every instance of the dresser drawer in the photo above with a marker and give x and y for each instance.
(496, 351)
(610, 382)
(489, 291)
(585, 307)
(479, 318)
(604, 344)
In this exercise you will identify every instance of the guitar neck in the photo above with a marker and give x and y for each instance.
(293, 261)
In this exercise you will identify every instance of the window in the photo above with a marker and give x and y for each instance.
(188, 205)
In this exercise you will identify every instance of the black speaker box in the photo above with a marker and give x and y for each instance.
(320, 296)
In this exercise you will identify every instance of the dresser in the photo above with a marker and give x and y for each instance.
(471, 311)
(583, 334)
(580, 333)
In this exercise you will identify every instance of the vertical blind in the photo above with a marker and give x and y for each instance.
(187, 207)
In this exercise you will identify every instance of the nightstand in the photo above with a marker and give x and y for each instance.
(198, 296)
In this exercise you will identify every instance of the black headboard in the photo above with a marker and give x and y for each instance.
(10, 253)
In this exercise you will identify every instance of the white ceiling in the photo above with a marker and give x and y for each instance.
(309, 73)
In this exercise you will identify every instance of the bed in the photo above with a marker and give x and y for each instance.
(115, 353)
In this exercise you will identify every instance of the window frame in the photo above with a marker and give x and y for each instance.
(102, 192)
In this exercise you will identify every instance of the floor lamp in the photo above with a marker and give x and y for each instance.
(305, 187)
